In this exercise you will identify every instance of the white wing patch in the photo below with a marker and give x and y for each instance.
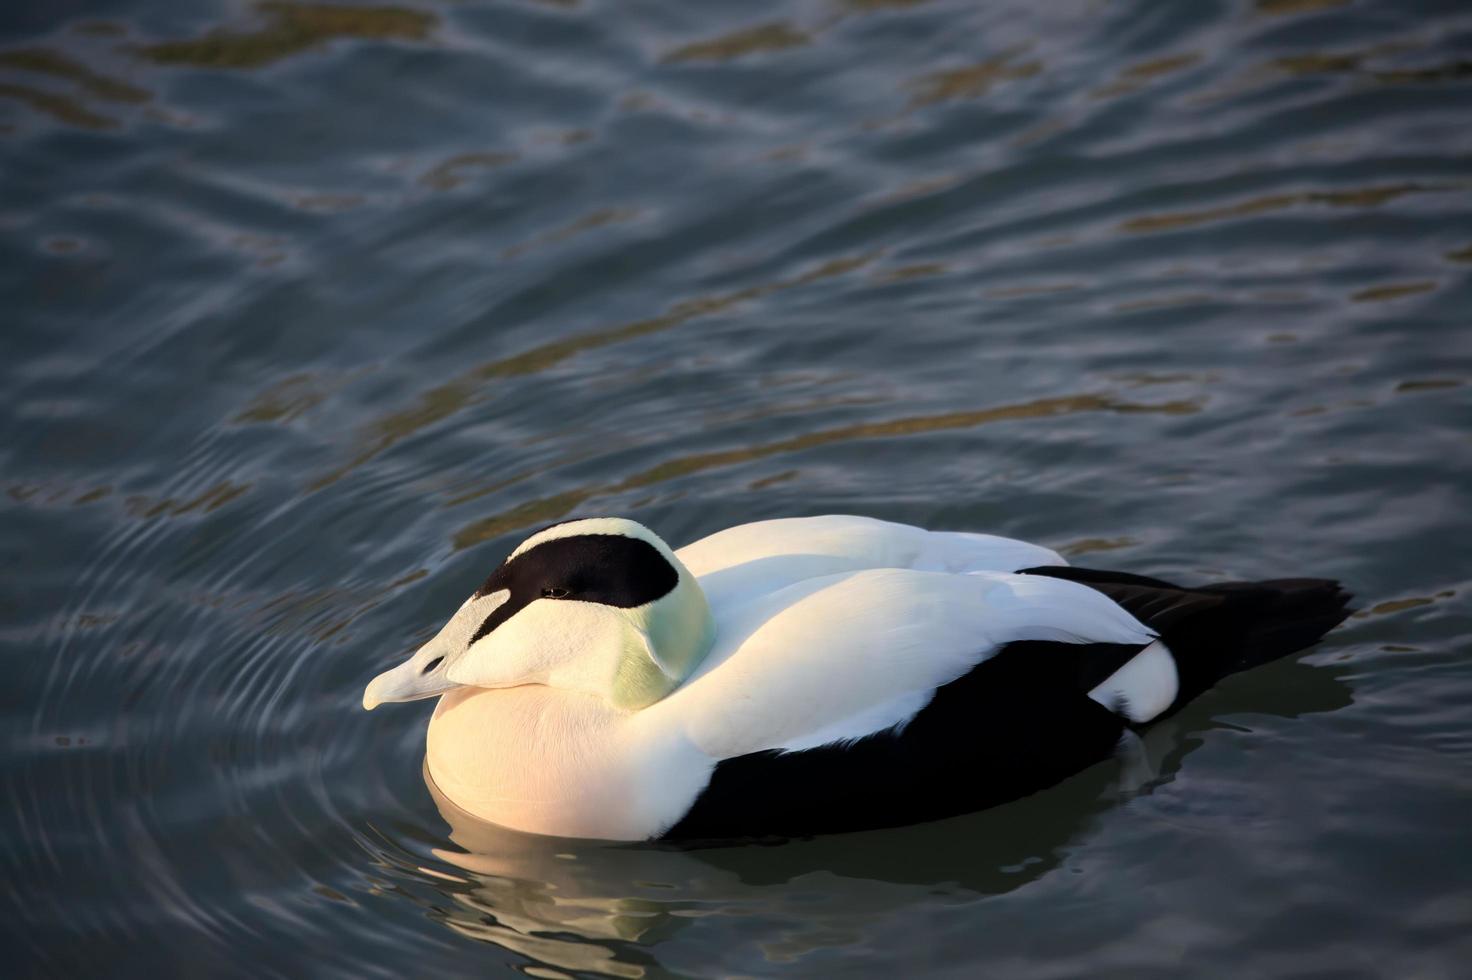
(846, 655)
(1142, 688)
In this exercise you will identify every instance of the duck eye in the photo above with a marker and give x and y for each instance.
(554, 593)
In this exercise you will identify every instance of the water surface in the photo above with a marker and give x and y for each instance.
(313, 311)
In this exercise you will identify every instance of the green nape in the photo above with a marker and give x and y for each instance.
(666, 641)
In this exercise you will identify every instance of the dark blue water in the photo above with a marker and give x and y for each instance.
(312, 312)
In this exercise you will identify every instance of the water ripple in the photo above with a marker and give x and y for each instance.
(314, 308)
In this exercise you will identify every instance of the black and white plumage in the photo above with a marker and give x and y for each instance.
(810, 675)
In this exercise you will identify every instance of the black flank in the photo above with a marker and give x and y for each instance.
(1016, 723)
(1216, 630)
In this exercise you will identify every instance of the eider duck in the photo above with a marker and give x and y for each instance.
(810, 675)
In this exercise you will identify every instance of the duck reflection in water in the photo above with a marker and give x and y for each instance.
(605, 908)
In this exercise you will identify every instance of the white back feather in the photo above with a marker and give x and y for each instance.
(755, 559)
(845, 655)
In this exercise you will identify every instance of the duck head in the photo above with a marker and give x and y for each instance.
(600, 605)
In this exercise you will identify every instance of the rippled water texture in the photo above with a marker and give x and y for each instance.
(312, 311)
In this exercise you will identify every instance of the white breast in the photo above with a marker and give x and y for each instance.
(561, 763)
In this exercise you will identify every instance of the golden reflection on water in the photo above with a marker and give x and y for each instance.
(1282, 7)
(464, 496)
(1379, 294)
(1142, 379)
(1137, 76)
(775, 36)
(48, 62)
(563, 137)
(1367, 197)
(62, 108)
(457, 170)
(558, 506)
(1452, 71)
(205, 501)
(1085, 546)
(971, 82)
(1353, 62)
(1315, 63)
(1392, 606)
(290, 29)
(446, 400)
(1157, 67)
(1428, 384)
(594, 219)
(286, 400)
(328, 203)
(1031, 290)
(918, 270)
(65, 107)
(1164, 301)
(923, 187)
(53, 493)
(94, 495)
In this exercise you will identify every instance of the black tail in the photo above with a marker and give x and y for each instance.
(1216, 630)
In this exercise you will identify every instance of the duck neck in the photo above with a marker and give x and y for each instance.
(668, 640)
